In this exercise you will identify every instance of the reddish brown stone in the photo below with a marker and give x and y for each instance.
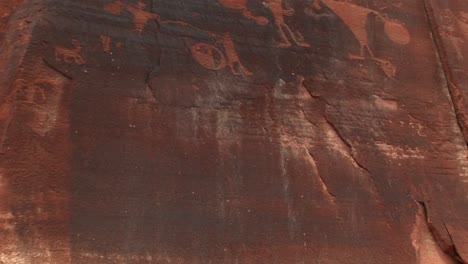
(221, 131)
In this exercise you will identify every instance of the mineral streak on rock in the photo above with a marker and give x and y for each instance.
(222, 131)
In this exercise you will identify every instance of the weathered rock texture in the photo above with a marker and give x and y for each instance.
(234, 131)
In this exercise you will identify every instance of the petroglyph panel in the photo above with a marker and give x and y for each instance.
(233, 131)
(287, 37)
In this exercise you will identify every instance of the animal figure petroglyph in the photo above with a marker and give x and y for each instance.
(278, 12)
(355, 17)
(70, 55)
(242, 6)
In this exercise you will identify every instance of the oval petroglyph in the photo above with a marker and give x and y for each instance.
(208, 56)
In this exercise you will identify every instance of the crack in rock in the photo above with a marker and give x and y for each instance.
(350, 149)
(448, 248)
(456, 94)
(313, 162)
(63, 73)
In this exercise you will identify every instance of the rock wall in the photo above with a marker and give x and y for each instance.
(233, 131)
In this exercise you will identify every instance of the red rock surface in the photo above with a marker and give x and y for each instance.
(233, 131)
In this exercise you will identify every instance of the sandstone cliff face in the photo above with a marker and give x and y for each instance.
(233, 131)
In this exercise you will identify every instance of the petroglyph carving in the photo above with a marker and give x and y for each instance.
(209, 56)
(70, 55)
(233, 60)
(106, 43)
(355, 17)
(396, 31)
(115, 8)
(242, 6)
(387, 67)
(213, 58)
(278, 12)
(42, 99)
(140, 16)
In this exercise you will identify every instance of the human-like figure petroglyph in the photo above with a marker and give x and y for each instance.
(232, 58)
(43, 98)
(70, 55)
(242, 6)
(279, 12)
(140, 16)
(106, 43)
(213, 58)
(355, 17)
